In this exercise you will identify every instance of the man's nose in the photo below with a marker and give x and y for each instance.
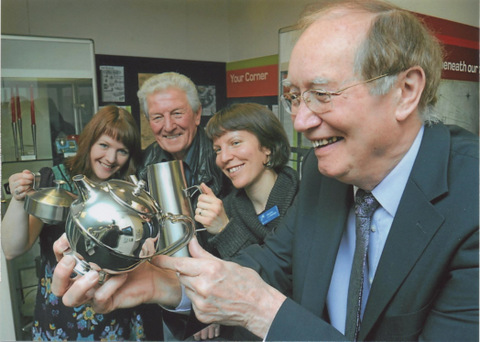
(169, 124)
(304, 119)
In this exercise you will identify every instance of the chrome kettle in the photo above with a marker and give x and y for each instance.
(115, 225)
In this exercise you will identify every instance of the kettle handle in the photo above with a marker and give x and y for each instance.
(190, 232)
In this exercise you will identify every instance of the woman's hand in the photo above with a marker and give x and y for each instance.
(210, 212)
(20, 183)
(19, 230)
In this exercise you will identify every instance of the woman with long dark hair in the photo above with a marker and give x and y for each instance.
(109, 147)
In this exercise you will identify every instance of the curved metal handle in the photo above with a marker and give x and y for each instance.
(36, 180)
(140, 185)
(196, 188)
(190, 232)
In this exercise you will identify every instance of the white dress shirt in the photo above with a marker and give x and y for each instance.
(388, 193)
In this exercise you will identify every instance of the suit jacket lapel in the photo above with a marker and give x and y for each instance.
(330, 214)
(414, 225)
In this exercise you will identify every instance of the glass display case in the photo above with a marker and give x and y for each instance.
(48, 95)
(43, 116)
(48, 92)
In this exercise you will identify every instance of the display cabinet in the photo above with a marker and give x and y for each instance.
(48, 91)
(48, 95)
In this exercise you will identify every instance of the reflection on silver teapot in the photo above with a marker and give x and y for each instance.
(115, 225)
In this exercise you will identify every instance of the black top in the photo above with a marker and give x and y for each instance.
(244, 227)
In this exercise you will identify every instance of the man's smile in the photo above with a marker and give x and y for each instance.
(325, 142)
(172, 136)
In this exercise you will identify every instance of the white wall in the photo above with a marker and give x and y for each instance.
(208, 30)
(179, 29)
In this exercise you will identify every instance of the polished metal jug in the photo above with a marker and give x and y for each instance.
(167, 185)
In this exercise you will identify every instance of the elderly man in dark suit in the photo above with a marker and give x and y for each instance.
(382, 243)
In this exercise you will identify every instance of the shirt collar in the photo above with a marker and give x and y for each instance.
(390, 190)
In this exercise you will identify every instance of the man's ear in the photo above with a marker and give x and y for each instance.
(198, 116)
(410, 86)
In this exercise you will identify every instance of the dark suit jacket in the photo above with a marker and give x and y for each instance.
(426, 283)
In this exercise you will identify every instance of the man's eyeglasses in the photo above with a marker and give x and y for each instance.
(317, 100)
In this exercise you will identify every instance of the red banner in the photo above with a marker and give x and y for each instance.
(461, 45)
(253, 82)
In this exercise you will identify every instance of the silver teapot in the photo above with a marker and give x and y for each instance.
(116, 225)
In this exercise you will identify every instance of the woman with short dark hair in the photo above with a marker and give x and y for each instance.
(252, 150)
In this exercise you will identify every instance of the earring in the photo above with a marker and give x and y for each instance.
(268, 163)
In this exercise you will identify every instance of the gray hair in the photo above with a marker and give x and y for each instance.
(169, 80)
(397, 40)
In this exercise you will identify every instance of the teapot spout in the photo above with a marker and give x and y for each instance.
(86, 188)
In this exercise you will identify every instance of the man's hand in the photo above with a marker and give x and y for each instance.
(145, 284)
(225, 292)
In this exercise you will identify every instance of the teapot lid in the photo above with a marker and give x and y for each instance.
(133, 196)
(55, 197)
(50, 205)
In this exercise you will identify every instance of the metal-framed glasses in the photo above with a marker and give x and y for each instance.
(317, 100)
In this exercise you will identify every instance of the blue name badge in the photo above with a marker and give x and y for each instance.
(269, 215)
